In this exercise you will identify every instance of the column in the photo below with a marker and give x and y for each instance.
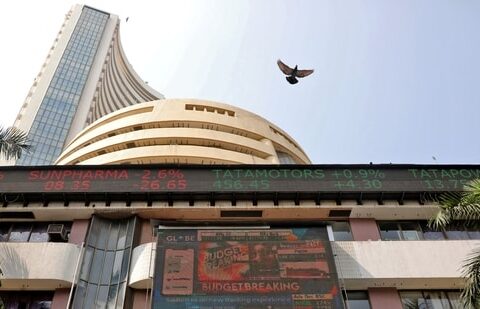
(384, 298)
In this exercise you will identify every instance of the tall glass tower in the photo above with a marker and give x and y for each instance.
(84, 77)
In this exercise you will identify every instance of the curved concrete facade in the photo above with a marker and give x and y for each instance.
(118, 85)
(182, 131)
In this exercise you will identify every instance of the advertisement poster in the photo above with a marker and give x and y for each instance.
(245, 269)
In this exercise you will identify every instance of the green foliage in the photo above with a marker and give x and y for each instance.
(463, 208)
(457, 207)
(471, 271)
(13, 142)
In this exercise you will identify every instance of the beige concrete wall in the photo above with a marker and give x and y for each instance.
(402, 264)
(391, 210)
(202, 210)
(37, 266)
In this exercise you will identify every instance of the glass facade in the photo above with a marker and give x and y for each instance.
(56, 112)
(105, 266)
(415, 230)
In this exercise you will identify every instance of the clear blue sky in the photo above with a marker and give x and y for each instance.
(394, 81)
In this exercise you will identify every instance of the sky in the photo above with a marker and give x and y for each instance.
(394, 81)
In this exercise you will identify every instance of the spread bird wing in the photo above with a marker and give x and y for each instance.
(284, 68)
(303, 73)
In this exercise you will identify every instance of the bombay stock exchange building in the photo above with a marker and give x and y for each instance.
(84, 77)
(197, 204)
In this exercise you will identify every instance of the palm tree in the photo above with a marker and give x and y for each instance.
(464, 208)
(13, 142)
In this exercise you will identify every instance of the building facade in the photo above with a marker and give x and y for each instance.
(85, 76)
(196, 204)
(89, 236)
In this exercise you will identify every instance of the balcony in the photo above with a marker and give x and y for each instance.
(37, 266)
(402, 264)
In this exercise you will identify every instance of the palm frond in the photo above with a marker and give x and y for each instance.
(455, 206)
(463, 208)
(471, 271)
(473, 192)
(448, 204)
(13, 142)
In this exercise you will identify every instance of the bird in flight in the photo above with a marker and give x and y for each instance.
(292, 73)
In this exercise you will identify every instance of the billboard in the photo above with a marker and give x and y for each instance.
(240, 269)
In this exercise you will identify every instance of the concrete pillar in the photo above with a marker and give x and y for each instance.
(381, 298)
(140, 299)
(146, 233)
(60, 298)
(79, 231)
(364, 229)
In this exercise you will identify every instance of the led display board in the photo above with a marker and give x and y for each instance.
(311, 178)
(240, 269)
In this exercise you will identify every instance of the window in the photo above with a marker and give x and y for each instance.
(472, 234)
(39, 233)
(357, 300)
(389, 231)
(341, 231)
(410, 231)
(30, 300)
(4, 229)
(20, 232)
(28, 231)
(430, 299)
(285, 158)
(454, 232)
(418, 230)
(431, 234)
(211, 109)
(394, 231)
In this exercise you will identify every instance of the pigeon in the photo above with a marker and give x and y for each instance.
(292, 73)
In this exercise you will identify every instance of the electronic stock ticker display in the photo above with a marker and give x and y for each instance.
(314, 178)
